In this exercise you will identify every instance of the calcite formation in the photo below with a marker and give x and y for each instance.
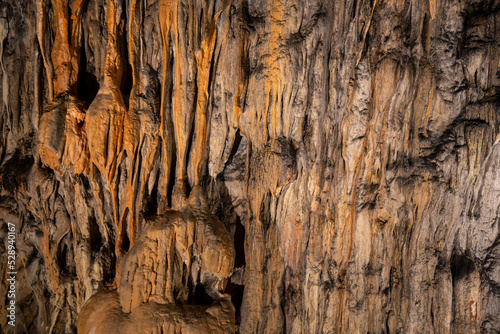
(104, 315)
(179, 257)
(251, 166)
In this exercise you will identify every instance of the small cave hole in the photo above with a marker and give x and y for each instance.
(88, 86)
(200, 296)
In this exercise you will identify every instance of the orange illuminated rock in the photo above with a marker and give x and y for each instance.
(105, 115)
(103, 315)
(62, 136)
(175, 252)
(52, 129)
(76, 152)
(104, 125)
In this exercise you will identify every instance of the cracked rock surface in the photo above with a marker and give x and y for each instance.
(251, 166)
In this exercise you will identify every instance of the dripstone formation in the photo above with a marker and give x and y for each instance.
(251, 166)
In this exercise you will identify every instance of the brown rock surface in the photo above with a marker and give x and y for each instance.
(103, 314)
(261, 166)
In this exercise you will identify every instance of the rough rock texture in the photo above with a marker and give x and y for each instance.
(261, 166)
(103, 314)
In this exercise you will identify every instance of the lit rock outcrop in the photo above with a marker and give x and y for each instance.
(103, 314)
(177, 254)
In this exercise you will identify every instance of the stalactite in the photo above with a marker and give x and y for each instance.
(203, 60)
(167, 11)
(105, 118)
(65, 55)
(41, 31)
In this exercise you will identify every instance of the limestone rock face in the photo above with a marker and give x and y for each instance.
(252, 166)
(175, 252)
(103, 314)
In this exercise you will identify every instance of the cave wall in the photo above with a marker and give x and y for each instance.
(350, 149)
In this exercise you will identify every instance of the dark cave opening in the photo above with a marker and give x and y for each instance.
(239, 244)
(466, 303)
(236, 293)
(233, 289)
(200, 296)
(87, 86)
